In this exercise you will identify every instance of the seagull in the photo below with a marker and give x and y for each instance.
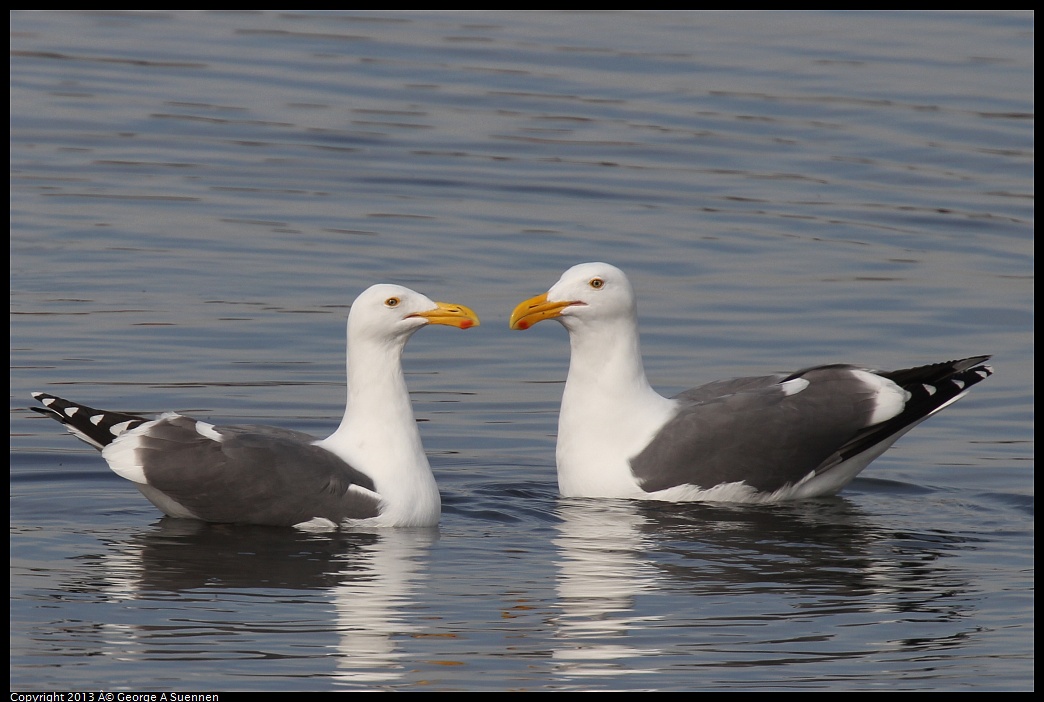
(768, 438)
(372, 471)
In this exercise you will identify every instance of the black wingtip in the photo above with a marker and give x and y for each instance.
(96, 427)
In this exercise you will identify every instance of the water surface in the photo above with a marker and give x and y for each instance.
(197, 197)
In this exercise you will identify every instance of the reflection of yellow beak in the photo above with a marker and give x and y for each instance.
(450, 314)
(536, 309)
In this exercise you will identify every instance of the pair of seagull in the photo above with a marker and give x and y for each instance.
(759, 439)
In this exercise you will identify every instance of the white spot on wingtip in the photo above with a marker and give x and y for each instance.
(959, 383)
(71, 411)
(930, 388)
(117, 429)
(793, 387)
(208, 430)
(97, 419)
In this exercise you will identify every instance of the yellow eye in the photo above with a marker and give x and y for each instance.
(597, 283)
(392, 302)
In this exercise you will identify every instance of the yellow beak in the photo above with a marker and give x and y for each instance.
(450, 314)
(536, 309)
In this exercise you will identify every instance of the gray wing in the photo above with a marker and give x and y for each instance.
(253, 475)
(752, 430)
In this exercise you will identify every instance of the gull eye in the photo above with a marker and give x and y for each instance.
(392, 302)
(597, 283)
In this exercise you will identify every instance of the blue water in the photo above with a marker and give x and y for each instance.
(197, 197)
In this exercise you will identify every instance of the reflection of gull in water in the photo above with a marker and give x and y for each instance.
(371, 606)
(343, 595)
(601, 570)
(785, 580)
